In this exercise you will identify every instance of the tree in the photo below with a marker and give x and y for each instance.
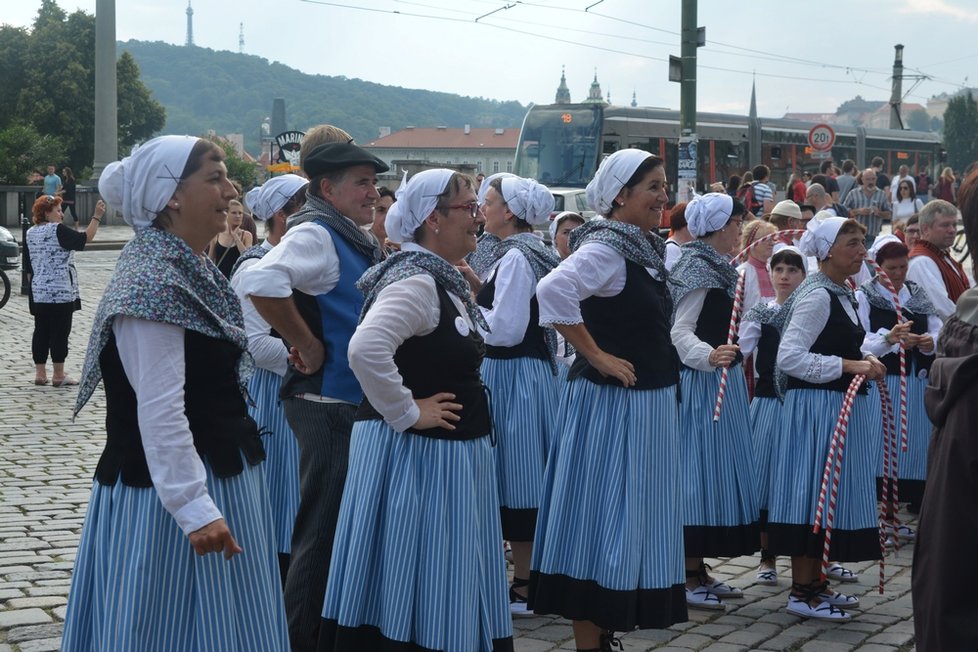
(918, 120)
(23, 151)
(961, 131)
(48, 80)
(239, 169)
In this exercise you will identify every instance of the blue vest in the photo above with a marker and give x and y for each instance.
(332, 317)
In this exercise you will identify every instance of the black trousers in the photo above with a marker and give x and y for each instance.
(51, 330)
(322, 431)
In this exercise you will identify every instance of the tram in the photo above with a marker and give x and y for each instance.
(562, 144)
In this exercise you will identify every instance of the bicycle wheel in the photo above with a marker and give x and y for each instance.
(5, 290)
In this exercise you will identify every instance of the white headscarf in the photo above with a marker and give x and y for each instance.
(140, 185)
(560, 217)
(612, 175)
(267, 199)
(881, 241)
(779, 247)
(708, 213)
(820, 234)
(484, 186)
(416, 199)
(528, 200)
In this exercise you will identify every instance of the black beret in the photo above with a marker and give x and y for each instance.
(331, 157)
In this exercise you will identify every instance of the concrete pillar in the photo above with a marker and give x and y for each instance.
(106, 102)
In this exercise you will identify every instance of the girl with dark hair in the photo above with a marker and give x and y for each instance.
(818, 357)
(608, 547)
(53, 296)
(884, 336)
(907, 204)
(719, 498)
(180, 475)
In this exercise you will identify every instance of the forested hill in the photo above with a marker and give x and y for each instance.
(232, 93)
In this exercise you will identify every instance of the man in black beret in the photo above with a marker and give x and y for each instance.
(305, 289)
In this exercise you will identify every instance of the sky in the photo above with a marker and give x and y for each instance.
(800, 60)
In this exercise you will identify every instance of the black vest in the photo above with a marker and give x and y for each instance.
(215, 409)
(444, 360)
(765, 358)
(532, 346)
(916, 361)
(713, 324)
(634, 325)
(840, 337)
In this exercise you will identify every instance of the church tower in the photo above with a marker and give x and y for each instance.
(595, 96)
(563, 93)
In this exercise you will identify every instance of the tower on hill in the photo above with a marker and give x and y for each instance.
(190, 24)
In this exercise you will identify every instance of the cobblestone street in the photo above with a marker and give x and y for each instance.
(46, 466)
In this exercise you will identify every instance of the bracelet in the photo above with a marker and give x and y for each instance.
(97, 219)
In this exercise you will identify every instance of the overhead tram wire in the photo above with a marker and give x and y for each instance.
(580, 44)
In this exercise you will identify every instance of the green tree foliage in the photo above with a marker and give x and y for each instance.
(48, 81)
(239, 169)
(961, 131)
(918, 120)
(23, 150)
(232, 93)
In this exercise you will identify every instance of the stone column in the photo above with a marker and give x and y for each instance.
(106, 98)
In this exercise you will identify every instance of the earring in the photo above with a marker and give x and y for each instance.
(436, 231)
(176, 204)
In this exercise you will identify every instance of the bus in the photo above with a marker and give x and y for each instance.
(562, 144)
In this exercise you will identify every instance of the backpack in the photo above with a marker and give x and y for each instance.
(746, 197)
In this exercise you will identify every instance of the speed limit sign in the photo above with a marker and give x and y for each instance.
(821, 138)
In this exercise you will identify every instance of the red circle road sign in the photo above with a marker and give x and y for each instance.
(821, 138)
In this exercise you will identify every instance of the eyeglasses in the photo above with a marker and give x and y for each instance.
(472, 207)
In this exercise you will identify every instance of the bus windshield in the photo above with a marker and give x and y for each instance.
(559, 144)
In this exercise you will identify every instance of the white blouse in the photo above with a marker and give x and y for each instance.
(269, 352)
(694, 352)
(305, 259)
(808, 320)
(875, 342)
(152, 356)
(510, 312)
(401, 310)
(594, 270)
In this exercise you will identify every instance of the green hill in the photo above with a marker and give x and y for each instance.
(232, 93)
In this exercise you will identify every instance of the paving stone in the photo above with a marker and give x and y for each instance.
(691, 641)
(896, 639)
(12, 618)
(532, 645)
(724, 647)
(42, 602)
(41, 645)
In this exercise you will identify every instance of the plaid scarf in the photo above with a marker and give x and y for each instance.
(316, 208)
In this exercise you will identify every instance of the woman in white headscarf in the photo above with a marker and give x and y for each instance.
(607, 551)
(719, 500)
(520, 364)
(819, 354)
(417, 561)
(272, 203)
(919, 334)
(180, 476)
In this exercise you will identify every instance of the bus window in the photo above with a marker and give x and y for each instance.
(559, 145)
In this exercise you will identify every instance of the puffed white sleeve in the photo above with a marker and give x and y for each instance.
(269, 352)
(924, 272)
(748, 335)
(510, 312)
(934, 326)
(401, 310)
(595, 269)
(875, 342)
(808, 319)
(152, 356)
(304, 260)
(694, 352)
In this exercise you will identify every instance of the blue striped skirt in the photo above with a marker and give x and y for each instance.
(418, 557)
(797, 465)
(139, 585)
(765, 421)
(524, 411)
(911, 465)
(609, 538)
(281, 454)
(719, 478)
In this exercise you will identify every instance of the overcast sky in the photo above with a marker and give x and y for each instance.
(805, 59)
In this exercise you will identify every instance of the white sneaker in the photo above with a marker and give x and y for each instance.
(840, 573)
(821, 611)
(703, 598)
(722, 589)
(767, 576)
(838, 599)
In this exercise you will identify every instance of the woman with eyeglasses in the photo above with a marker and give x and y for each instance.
(719, 498)
(417, 561)
(520, 364)
(54, 296)
(907, 203)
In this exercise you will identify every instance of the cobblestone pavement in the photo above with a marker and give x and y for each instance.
(46, 466)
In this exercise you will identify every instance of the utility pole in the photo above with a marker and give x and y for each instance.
(106, 93)
(896, 93)
(692, 37)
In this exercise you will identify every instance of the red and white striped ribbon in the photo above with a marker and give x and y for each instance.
(787, 234)
(738, 303)
(885, 281)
